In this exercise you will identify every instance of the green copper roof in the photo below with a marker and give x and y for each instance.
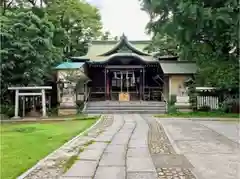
(103, 59)
(70, 65)
(178, 67)
(98, 48)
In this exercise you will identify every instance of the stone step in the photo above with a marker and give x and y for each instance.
(110, 107)
(127, 104)
(125, 107)
(124, 111)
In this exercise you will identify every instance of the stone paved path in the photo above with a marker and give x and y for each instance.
(138, 146)
(210, 146)
(118, 153)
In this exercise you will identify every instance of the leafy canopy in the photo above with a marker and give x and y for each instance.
(205, 31)
(36, 35)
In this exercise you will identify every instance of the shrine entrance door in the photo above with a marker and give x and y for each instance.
(125, 84)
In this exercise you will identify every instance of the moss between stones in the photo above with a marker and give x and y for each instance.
(88, 143)
(70, 162)
(108, 142)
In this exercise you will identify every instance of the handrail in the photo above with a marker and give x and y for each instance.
(86, 100)
(165, 100)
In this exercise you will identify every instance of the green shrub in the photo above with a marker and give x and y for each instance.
(172, 109)
(80, 106)
(173, 99)
(53, 111)
(230, 106)
(7, 110)
(204, 108)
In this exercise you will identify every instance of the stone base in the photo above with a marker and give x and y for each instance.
(183, 107)
(184, 110)
(65, 112)
(182, 104)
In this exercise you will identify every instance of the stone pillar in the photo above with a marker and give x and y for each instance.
(16, 104)
(44, 113)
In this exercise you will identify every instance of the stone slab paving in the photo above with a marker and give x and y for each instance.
(82, 168)
(133, 146)
(110, 172)
(113, 160)
(228, 129)
(52, 166)
(88, 161)
(210, 146)
(119, 152)
(169, 164)
(140, 166)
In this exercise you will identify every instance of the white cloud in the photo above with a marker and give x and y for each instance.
(123, 16)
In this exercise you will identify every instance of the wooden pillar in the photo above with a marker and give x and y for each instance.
(84, 91)
(105, 73)
(143, 83)
(44, 113)
(16, 103)
(140, 84)
(24, 105)
(49, 102)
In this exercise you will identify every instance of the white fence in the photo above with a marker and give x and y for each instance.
(211, 101)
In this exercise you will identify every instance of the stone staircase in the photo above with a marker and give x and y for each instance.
(110, 107)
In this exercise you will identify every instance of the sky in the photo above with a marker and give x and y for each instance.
(123, 16)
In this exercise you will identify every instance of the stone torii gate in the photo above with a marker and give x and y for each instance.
(35, 88)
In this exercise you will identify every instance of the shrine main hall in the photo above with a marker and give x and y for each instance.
(123, 71)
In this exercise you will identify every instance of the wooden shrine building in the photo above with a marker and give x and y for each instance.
(123, 71)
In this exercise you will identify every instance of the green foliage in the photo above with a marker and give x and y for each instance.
(163, 45)
(205, 31)
(37, 35)
(81, 23)
(53, 111)
(230, 106)
(27, 50)
(172, 109)
(80, 106)
(7, 110)
(204, 108)
(192, 94)
(173, 99)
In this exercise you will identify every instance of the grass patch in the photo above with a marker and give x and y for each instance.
(85, 117)
(24, 144)
(199, 114)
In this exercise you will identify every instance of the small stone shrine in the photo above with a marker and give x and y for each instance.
(182, 100)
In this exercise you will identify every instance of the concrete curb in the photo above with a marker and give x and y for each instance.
(25, 174)
(41, 119)
(199, 119)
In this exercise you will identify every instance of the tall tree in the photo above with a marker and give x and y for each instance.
(80, 20)
(206, 32)
(28, 49)
(163, 45)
